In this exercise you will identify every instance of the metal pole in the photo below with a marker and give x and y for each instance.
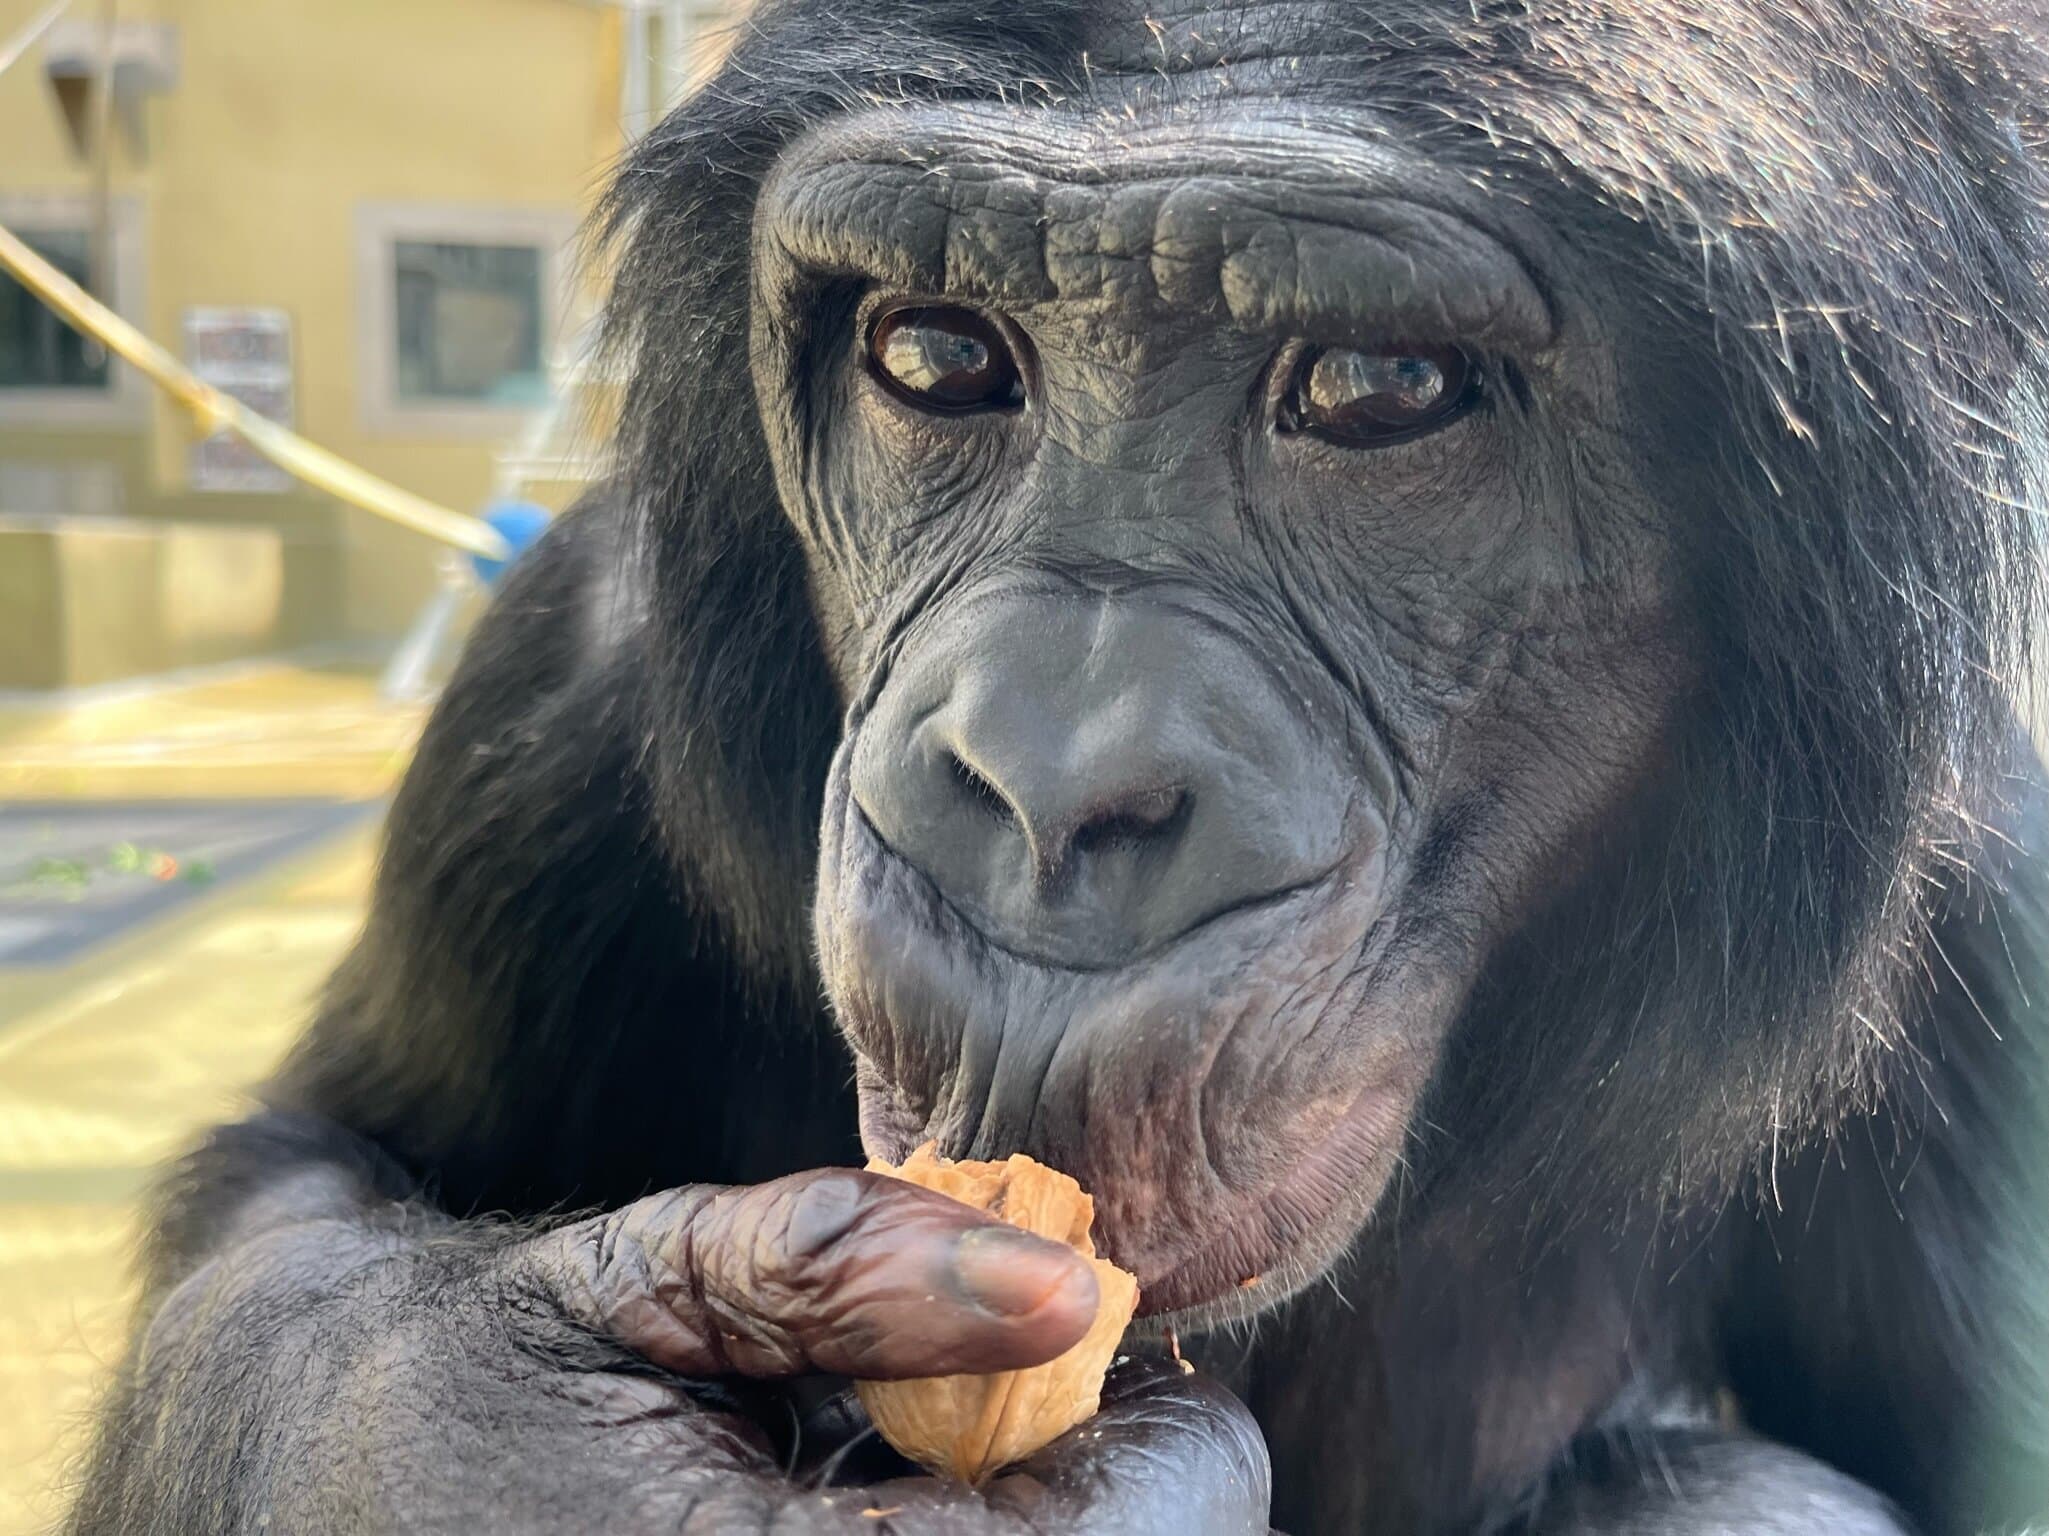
(215, 411)
(103, 161)
(675, 51)
(636, 103)
(19, 44)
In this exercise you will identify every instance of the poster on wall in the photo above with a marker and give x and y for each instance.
(246, 353)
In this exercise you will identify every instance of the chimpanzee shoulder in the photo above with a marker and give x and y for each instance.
(595, 1036)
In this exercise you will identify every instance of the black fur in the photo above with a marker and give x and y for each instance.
(1746, 1129)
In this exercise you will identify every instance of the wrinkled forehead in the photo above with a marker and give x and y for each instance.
(1198, 48)
(1242, 208)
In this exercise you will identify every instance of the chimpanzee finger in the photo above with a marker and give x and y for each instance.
(830, 1270)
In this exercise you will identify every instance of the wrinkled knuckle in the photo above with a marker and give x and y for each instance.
(597, 1269)
(823, 1213)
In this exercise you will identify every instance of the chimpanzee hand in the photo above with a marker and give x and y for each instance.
(657, 1369)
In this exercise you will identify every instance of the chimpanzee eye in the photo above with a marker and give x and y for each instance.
(1367, 399)
(944, 358)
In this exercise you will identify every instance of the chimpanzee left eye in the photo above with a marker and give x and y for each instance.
(1366, 399)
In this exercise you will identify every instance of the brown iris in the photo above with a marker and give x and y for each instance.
(1367, 398)
(944, 358)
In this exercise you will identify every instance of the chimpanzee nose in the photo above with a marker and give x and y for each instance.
(1087, 778)
(1082, 806)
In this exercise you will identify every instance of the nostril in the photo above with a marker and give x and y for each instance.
(1131, 822)
(979, 788)
(1062, 816)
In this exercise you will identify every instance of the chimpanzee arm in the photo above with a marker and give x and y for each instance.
(335, 1337)
(345, 1361)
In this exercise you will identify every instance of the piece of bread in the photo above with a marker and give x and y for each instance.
(968, 1426)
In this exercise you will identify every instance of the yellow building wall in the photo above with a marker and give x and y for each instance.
(289, 116)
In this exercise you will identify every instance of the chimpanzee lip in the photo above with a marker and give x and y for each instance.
(1240, 1265)
(1244, 1265)
(1257, 1244)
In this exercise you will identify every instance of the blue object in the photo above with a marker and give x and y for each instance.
(519, 524)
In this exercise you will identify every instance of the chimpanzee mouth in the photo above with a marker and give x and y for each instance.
(1236, 1102)
(1281, 1239)
(1250, 1251)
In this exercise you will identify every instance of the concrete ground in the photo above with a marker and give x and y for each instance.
(178, 871)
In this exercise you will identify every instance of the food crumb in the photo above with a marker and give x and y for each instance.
(880, 1514)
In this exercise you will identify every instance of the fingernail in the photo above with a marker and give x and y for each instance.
(1012, 1273)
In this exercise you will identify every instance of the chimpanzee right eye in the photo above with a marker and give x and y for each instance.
(944, 358)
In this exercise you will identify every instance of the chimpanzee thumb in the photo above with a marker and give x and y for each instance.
(830, 1270)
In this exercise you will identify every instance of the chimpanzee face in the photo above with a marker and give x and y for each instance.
(1233, 541)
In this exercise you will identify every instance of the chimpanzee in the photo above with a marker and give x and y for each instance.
(1395, 632)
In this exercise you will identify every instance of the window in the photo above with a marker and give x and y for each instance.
(460, 311)
(49, 374)
(37, 350)
(469, 323)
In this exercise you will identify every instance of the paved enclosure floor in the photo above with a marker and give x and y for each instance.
(74, 876)
(138, 1001)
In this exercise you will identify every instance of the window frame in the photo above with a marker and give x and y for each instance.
(380, 229)
(124, 404)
